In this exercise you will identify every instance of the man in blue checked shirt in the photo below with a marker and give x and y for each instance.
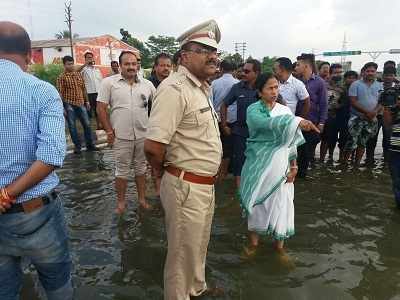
(32, 145)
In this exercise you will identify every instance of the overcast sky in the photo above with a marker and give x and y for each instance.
(273, 28)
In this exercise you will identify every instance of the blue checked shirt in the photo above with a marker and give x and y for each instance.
(31, 128)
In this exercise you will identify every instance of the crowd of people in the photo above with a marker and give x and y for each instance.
(194, 121)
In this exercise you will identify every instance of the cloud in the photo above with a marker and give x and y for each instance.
(273, 28)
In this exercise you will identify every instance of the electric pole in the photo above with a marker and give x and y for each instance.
(68, 20)
(241, 47)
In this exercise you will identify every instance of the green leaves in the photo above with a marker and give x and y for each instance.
(47, 73)
(152, 47)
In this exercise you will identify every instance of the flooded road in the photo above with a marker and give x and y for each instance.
(346, 245)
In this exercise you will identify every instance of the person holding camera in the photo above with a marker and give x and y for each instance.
(388, 98)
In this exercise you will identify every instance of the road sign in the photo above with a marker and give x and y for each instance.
(341, 53)
(394, 51)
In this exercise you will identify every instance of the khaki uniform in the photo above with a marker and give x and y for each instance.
(183, 119)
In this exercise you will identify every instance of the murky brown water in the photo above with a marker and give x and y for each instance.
(346, 244)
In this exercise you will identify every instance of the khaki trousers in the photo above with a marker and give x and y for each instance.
(189, 209)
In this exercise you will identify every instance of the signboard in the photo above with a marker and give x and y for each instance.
(341, 53)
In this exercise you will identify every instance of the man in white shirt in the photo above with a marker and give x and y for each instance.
(128, 96)
(220, 88)
(92, 77)
(291, 89)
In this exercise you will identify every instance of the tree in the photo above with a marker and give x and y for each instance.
(159, 44)
(65, 35)
(48, 72)
(147, 61)
(267, 64)
(235, 59)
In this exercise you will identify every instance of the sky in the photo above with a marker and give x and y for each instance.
(270, 28)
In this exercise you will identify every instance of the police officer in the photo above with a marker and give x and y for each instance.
(183, 145)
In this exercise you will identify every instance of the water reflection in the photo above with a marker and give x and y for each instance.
(346, 243)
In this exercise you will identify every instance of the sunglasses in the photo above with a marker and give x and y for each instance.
(246, 71)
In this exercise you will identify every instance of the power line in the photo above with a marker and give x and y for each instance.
(241, 47)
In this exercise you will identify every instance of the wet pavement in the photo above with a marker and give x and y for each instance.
(346, 244)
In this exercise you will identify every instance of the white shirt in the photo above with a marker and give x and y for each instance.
(92, 77)
(128, 104)
(220, 88)
(293, 91)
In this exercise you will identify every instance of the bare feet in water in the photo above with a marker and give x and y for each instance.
(121, 206)
(285, 259)
(249, 252)
(144, 205)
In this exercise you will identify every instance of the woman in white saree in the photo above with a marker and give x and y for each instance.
(267, 189)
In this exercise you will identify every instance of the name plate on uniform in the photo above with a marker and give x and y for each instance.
(203, 110)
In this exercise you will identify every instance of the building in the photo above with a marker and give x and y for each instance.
(105, 48)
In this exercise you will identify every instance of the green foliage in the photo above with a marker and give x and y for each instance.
(150, 49)
(267, 64)
(65, 34)
(159, 44)
(47, 73)
(235, 59)
(145, 56)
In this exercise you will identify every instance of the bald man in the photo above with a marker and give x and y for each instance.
(32, 145)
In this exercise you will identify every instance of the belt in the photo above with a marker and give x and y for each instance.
(32, 204)
(187, 176)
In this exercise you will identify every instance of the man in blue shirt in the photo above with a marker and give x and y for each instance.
(219, 89)
(243, 94)
(363, 123)
(32, 145)
(318, 112)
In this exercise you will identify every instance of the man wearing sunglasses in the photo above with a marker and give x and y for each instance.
(184, 148)
(243, 94)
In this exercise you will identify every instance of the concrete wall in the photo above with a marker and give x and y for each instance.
(52, 55)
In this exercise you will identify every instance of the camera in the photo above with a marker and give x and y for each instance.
(389, 96)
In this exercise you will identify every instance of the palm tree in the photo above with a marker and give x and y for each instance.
(65, 35)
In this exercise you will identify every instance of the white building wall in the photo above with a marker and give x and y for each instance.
(105, 55)
(50, 54)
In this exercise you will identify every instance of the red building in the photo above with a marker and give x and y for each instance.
(105, 48)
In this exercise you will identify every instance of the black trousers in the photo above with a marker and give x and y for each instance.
(306, 151)
(93, 105)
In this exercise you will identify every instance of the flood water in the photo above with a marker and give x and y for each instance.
(346, 244)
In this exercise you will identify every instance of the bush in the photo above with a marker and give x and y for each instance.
(47, 73)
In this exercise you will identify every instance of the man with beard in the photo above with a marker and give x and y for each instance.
(363, 123)
(184, 148)
(128, 96)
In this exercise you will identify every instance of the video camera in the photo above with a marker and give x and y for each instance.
(389, 96)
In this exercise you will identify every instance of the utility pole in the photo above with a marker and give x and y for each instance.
(68, 20)
(344, 49)
(241, 47)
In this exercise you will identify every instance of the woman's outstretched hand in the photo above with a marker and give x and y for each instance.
(308, 126)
